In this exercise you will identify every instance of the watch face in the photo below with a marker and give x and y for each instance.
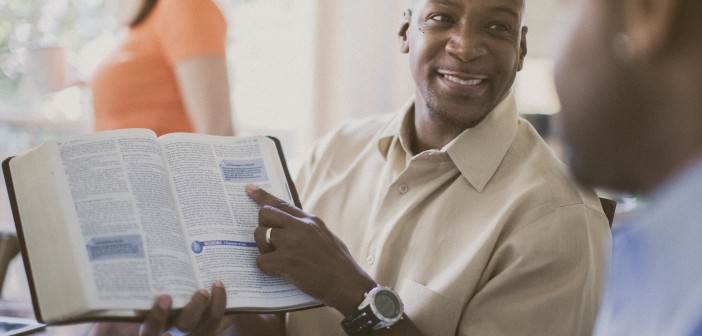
(387, 304)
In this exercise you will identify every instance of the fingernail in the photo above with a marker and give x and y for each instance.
(252, 187)
(218, 283)
(164, 302)
(204, 292)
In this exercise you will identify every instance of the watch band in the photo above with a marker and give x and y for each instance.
(360, 322)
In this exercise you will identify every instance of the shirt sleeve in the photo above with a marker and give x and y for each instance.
(544, 279)
(189, 28)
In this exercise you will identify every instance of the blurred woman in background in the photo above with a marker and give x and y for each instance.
(169, 71)
(168, 74)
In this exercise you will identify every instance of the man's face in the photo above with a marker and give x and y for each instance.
(604, 111)
(464, 55)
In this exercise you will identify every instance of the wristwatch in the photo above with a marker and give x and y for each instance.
(381, 308)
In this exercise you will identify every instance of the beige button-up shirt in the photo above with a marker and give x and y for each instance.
(487, 236)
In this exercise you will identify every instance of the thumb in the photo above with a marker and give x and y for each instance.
(156, 319)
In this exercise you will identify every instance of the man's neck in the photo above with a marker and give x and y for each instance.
(429, 133)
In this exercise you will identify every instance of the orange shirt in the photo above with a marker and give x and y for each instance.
(136, 85)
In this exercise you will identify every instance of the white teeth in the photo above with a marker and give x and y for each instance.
(462, 81)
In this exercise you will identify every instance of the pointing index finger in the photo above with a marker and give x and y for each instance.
(263, 198)
(256, 193)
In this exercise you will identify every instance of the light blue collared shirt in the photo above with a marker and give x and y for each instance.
(655, 281)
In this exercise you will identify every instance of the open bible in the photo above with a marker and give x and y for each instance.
(108, 221)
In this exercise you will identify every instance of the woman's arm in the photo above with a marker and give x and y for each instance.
(204, 86)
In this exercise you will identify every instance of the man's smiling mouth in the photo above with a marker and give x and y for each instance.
(463, 81)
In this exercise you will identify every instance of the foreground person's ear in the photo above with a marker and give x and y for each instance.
(649, 26)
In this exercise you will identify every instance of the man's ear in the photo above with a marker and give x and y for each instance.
(649, 26)
(404, 27)
(522, 48)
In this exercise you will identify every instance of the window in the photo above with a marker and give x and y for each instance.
(45, 48)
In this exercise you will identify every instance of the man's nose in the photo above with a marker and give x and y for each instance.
(466, 44)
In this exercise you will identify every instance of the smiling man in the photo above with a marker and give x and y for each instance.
(453, 201)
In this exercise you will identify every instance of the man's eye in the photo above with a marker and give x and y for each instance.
(440, 18)
(499, 27)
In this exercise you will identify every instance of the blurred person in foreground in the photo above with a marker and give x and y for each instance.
(630, 82)
(453, 201)
(169, 72)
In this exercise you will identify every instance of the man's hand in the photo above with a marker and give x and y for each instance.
(304, 250)
(201, 316)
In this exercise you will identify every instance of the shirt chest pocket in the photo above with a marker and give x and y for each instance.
(432, 312)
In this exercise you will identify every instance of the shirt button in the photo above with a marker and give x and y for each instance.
(403, 188)
(371, 259)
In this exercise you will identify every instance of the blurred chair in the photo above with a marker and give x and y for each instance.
(9, 248)
(608, 206)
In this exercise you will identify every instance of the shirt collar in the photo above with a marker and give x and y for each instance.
(477, 152)
(398, 127)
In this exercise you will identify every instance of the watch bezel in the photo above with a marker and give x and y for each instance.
(384, 321)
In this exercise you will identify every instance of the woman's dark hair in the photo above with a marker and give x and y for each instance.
(146, 7)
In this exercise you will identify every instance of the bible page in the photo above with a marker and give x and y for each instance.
(116, 185)
(209, 174)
